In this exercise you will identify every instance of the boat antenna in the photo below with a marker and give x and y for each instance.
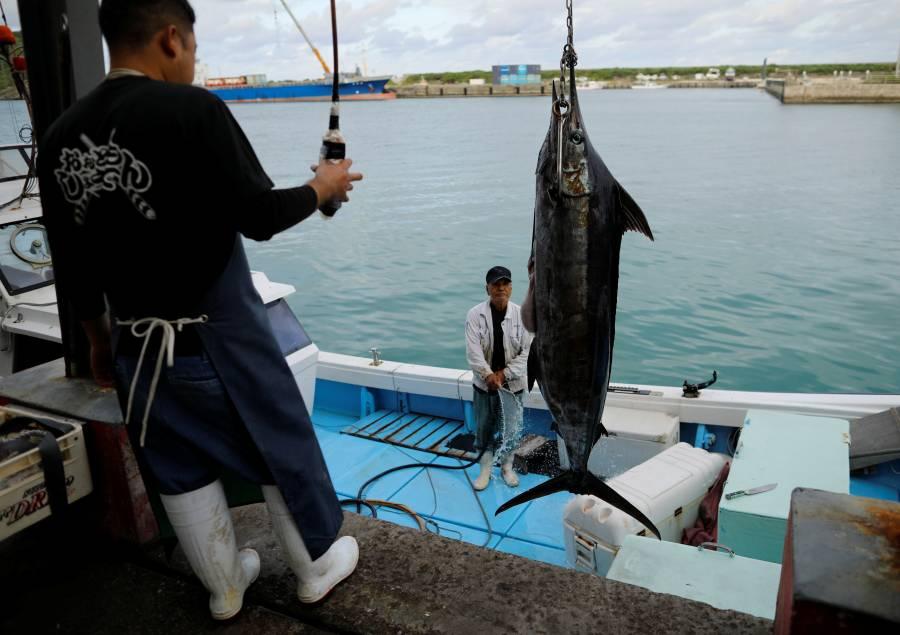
(334, 148)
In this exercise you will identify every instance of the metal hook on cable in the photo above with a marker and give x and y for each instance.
(562, 105)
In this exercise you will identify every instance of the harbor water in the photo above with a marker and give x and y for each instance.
(776, 259)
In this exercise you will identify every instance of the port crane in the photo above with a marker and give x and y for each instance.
(306, 37)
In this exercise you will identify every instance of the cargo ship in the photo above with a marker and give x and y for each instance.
(254, 88)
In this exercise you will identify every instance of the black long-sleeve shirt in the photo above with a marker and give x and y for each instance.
(144, 185)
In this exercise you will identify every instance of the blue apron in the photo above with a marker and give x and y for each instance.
(239, 342)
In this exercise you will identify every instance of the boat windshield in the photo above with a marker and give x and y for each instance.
(25, 262)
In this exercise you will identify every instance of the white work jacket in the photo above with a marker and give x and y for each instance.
(480, 345)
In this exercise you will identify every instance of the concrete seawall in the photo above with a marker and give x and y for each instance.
(422, 91)
(467, 90)
(841, 91)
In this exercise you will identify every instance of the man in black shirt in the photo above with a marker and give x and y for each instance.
(494, 331)
(147, 183)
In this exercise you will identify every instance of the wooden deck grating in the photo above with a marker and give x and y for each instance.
(422, 432)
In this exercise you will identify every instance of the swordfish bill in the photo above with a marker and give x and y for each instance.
(580, 215)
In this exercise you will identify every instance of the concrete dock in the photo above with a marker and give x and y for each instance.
(834, 91)
(63, 580)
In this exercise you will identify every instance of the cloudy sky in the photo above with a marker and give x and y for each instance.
(408, 36)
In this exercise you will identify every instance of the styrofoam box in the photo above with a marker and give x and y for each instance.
(719, 578)
(23, 495)
(667, 488)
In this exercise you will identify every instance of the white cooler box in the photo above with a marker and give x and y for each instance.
(668, 488)
(634, 437)
(23, 494)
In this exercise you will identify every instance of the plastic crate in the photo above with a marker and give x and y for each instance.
(23, 493)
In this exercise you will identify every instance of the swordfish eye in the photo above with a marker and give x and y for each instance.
(576, 137)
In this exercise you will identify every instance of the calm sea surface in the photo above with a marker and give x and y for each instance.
(776, 259)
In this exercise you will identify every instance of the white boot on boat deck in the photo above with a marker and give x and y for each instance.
(487, 462)
(316, 577)
(202, 523)
(509, 475)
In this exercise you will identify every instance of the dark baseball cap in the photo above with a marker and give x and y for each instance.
(497, 273)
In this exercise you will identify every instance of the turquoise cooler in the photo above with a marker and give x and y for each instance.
(793, 451)
(715, 577)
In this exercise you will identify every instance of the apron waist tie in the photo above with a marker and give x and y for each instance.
(143, 329)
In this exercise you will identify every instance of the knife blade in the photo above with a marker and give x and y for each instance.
(751, 491)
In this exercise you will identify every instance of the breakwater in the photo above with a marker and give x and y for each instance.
(471, 90)
(422, 91)
(839, 91)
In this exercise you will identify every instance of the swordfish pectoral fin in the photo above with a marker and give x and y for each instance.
(596, 487)
(633, 218)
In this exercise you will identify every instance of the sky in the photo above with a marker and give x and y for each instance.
(396, 37)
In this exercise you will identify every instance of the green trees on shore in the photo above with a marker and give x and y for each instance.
(685, 72)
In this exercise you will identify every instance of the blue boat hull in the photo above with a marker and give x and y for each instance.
(355, 90)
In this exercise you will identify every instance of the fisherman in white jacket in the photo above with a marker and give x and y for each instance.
(497, 347)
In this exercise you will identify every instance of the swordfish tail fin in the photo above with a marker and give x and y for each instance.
(565, 482)
(585, 483)
(633, 218)
(596, 487)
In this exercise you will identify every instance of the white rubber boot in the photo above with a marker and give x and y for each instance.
(509, 474)
(202, 523)
(316, 577)
(487, 462)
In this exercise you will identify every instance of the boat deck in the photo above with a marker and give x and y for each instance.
(444, 498)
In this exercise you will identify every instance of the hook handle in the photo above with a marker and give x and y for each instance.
(714, 546)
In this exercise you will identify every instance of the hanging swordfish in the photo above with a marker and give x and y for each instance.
(580, 215)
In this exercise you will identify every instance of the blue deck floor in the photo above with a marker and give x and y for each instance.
(533, 530)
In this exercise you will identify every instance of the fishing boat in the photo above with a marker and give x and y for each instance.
(666, 449)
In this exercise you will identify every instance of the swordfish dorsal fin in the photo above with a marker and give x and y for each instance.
(633, 218)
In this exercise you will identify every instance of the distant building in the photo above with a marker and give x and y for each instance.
(517, 74)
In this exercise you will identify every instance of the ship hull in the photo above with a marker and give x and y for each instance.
(360, 90)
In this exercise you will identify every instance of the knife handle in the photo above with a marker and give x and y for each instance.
(736, 494)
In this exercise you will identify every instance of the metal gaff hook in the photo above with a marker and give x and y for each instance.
(561, 111)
